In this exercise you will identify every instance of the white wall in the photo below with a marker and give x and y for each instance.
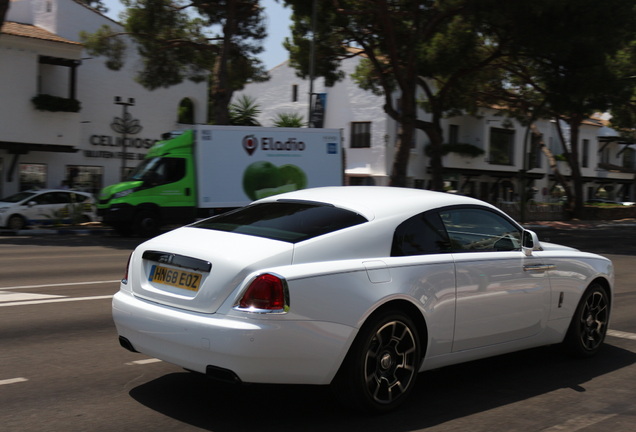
(89, 130)
(346, 103)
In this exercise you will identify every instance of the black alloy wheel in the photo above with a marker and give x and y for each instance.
(589, 324)
(382, 365)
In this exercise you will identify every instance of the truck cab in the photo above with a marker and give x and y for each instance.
(161, 190)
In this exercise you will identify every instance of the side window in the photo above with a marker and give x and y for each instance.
(43, 199)
(167, 170)
(478, 230)
(175, 169)
(420, 235)
(61, 198)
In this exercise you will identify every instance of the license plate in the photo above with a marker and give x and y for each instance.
(175, 278)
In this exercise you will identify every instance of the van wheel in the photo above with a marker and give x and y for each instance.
(147, 224)
(380, 369)
(589, 323)
(16, 222)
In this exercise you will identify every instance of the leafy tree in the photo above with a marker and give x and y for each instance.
(409, 46)
(180, 40)
(98, 5)
(624, 112)
(244, 112)
(545, 58)
(560, 64)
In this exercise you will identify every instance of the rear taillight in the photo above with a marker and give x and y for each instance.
(124, 280)
(266, 293)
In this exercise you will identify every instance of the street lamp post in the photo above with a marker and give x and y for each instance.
(312, 59)
(124, 131)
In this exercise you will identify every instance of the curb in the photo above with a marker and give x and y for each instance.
(57, 231)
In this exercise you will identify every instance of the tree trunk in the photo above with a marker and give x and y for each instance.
(407, 120)
(577, 180)
(4, 8)
(220, 92)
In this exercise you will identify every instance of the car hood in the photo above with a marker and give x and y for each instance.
(231, 257)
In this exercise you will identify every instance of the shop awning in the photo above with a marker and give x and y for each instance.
(24, 148)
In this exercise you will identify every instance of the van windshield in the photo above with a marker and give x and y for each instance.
(159, 170)
(146, 165)
(292, 222)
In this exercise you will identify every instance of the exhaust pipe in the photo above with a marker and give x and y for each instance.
(126, 344)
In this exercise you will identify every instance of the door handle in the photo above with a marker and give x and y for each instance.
(538, 267)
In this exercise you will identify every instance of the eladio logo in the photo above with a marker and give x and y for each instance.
(250, 143)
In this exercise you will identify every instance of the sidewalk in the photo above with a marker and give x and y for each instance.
(88, 229)
(579, 224)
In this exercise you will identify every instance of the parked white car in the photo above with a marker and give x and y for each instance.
(45, 207)
(358, 287)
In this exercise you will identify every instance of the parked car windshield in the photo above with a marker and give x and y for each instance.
(18, 197)
(286, 221)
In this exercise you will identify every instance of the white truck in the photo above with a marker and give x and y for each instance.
(209, 169)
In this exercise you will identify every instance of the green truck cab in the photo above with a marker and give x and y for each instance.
(161, 190)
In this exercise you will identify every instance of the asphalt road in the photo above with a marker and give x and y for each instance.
(61, 368)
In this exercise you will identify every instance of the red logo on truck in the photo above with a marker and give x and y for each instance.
(249, 144)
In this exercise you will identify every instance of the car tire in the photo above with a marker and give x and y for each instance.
(381, 367)
(16, 222)
(147, 224)
(587, 330)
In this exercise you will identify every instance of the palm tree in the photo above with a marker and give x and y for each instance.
(244, 112)
(289, 120)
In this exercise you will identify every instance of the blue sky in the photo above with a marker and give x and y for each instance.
(278, 19)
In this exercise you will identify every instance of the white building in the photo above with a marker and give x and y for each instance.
(41, 54)
(359, 114)
(607, 166)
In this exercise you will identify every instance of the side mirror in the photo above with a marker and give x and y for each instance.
(529, 242)
(31, 203)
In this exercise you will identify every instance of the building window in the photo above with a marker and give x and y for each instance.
(502, 146)
(628, 159)
(585, 162)
(360, 134)
(605, 155)
(294, 92)
(186, 111)
(453, 134)
(84, 178)
(32, 176)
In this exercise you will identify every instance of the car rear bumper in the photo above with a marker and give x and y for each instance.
(276, 351)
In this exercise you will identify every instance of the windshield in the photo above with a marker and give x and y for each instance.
(20, 196)
(147, 165)
(286, 221)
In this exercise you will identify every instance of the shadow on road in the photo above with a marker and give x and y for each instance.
(440, 396)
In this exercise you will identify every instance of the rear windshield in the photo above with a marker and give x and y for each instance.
(291, 222)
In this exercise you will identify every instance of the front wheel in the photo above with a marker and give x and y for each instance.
(16, 223)
(589, 323)
(381, 367)
(147, 223)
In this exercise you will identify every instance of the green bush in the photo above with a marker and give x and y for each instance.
(44, 102)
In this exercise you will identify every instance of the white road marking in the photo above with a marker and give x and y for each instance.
(579, 423)
(12, 381)
(622, 335)
(13, 296)
(59, 285)
(143, 362)
(56, 300)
